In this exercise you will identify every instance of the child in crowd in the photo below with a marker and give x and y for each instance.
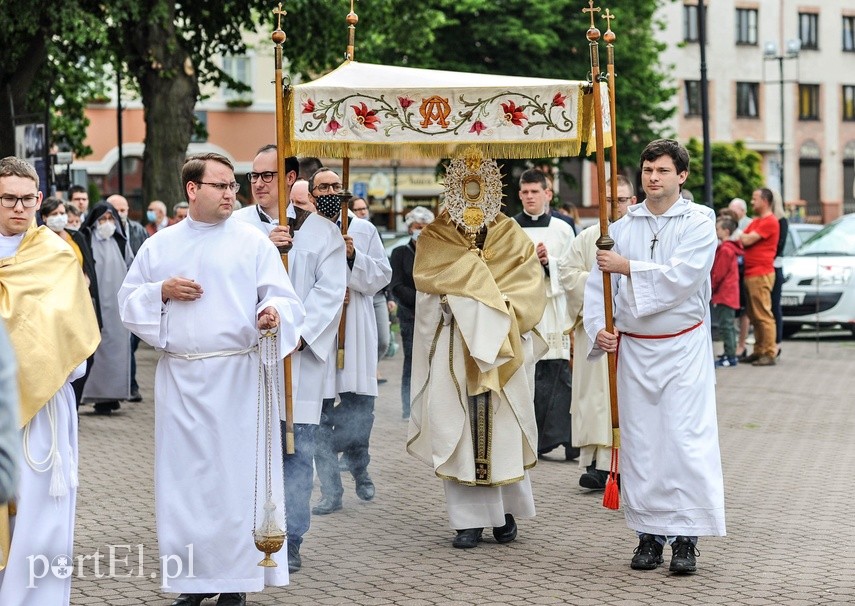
(725, 288)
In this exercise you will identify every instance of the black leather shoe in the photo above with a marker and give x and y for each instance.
(191, 599)
(648, 554)
(571, 453)
(683, 556)
(508, 532)
(295, 562)
(232, 599)
(106, 408)
(135, 397)
(326, 506)
(594, 479)
(364, 486)
(468, 538)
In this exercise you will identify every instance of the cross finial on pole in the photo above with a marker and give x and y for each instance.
(591, 10)
(279, 14)
(608, 17)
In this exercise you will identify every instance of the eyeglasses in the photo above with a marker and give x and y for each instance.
(335, 188)
(234, 186)
(620, 200)
(12, 201)
(359, 210)
(266, 176)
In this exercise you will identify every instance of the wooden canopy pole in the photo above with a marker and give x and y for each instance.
(604, 242)
(352, 19)
(610, 37)
(278, 38)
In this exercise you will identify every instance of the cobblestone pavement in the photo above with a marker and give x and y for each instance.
(789, 464)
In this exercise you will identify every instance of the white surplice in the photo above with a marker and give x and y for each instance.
(557, 236)
(369, 274)
(206, 411)
(43, 528)
(590, 413)
(318, 272)
(670, 463)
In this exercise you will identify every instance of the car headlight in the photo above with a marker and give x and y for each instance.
(830, 275)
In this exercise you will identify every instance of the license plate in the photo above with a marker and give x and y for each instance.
(790, 301)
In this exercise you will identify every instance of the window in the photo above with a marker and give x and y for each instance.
(809, 30)
(746, 26)
(849, 34)
(747, 100)
(690, 23)
(239, 68)
(692, 102)
(808, 101)
(848, 102)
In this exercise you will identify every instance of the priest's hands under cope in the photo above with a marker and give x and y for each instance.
(180, 289)
(611, 262)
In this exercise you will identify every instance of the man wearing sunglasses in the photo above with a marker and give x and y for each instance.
(317, 268)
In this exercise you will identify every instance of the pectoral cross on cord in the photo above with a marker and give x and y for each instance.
(653, 244)
(655, 238)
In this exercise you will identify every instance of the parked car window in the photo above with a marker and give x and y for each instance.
(836, 239)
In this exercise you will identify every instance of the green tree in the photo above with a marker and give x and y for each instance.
(736, 171)
(514, 37)
(51, 64)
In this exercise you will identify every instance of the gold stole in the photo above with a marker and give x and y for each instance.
(48, 312)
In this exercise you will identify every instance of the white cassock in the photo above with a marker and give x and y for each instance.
(557, 236)
(317, 269)
(368, 275)
(590, 412)
(670, 463)
(206, 406)
(440, 432)
(43, 528)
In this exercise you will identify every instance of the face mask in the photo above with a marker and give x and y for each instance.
(57, 222)
(106, 230)
(149, 214)
(123, 217)
(416, 233)
(329, 205)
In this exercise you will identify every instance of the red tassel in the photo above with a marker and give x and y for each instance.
(611, 498)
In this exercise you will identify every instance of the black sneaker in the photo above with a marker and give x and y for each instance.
(648, 554)
(594, 479)
(683, 556)
(295, 562)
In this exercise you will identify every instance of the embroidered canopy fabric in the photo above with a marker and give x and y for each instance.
(365, 111)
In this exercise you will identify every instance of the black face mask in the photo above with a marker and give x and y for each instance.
(329, 205)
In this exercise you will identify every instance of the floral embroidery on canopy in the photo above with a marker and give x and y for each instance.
(378, 111)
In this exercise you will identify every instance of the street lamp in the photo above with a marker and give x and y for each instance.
(770, 53)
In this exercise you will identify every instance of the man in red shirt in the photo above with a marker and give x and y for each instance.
(760, 240)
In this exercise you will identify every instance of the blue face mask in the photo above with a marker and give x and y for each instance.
(151, 216)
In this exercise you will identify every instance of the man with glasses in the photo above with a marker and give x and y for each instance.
(201, 292)
(347, 427)
(53, 330)
(79, 197)
(317, 268)
(590, 412)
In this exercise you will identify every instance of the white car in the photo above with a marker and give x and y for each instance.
(818, 286)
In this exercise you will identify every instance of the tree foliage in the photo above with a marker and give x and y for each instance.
(736, 171)
(171, 49)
